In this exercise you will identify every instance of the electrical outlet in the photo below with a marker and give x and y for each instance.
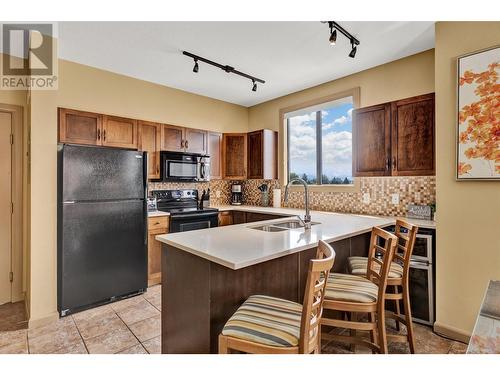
(217, 194)
(395, 198)
(366, 198)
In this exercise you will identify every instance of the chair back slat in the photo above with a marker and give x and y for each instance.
(379, 275)
(312, 308)
(406, 242)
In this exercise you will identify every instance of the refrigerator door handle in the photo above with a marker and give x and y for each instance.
(69, 202)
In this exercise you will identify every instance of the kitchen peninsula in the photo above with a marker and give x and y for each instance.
(207, 274)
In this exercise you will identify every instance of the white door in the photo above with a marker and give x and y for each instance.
(5, 206)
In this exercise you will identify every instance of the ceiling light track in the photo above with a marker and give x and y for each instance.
(334, 26)
(226, 68)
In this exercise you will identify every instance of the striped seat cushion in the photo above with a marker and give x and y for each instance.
(350, 288)
(266, 320)
(358, 266)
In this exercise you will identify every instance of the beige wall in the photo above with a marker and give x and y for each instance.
(413, 75)
(468, 245)
(86, 88)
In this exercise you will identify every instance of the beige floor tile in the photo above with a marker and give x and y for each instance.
(126, 303)
(97, 325)
(147, 329)
(153, 346)
(77, 348)
(137, 312)
(18, 347)
(51, 328)
(155, 301)
(155, 290)
(458, 348)
(136, 349)
(111, 342)
(91, 313)
(11, 337)
(54, 341)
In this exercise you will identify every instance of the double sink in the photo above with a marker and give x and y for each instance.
(281, 226)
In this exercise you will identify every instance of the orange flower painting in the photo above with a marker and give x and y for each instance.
(479, 116)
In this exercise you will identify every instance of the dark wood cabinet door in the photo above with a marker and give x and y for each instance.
(234, 151)
(413, 136)
(262, 154)
(215, 150)
(239, 217)
(225, 218)
(79, 127)
(195, 140)
(371, 128)
(119, 132)
(172, 138)
(252, 217)
(149, 141)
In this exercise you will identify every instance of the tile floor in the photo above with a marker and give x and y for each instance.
(133, 326)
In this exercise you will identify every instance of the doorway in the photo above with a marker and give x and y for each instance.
(11, 174)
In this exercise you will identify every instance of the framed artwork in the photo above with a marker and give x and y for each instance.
(478, 128)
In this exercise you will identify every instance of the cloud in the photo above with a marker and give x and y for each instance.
(339, 121)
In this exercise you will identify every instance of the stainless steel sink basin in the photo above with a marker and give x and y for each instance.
(279, 227)
(269, 228)
(292, 224)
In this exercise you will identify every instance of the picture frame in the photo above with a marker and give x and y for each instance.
(476, 150)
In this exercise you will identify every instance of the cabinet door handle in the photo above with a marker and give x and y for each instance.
(98, 134)
(104, 135)
(182, 143)
(186, 143)
(387, 163)
(394, 166)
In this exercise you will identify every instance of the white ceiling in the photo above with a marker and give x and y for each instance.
(289, 56)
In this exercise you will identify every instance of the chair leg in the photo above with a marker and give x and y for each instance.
(319, 339)
(352, 332)
(223, 349)
(373, 332)
(397, 309)
(408, 320)
(382, 334)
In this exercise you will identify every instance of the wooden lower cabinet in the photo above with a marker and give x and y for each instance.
(156, 225)
(225, 218)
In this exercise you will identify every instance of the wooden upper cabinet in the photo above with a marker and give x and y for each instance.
(119, 132)
(79, 127)
(215, 150)
(262, 154)
(150, 141)
(371, 128)
(195, 141)
(234, 156)
(413, 151)
(172, 138)
(395, 139)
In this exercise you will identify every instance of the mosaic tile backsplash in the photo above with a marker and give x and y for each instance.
(411, 190)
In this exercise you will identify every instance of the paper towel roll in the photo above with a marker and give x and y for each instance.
(277, 198)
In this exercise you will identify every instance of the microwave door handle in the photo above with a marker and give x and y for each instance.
(202, 171)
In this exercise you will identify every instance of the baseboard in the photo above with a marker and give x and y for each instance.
(452, 332)
(39, 322)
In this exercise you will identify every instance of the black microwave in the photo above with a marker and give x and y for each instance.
(182, 167)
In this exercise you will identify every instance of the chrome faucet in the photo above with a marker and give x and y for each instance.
(307, 217)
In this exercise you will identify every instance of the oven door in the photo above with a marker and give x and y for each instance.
(422, 249)
(184, 223)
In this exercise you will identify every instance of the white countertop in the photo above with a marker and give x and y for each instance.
(239, 246)
(158, 213)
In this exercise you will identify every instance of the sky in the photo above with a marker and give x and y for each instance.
(337, 142)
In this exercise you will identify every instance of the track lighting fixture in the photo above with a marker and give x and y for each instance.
(333, 37)
(254, 87)
(353, 50)
(226, 68)
(334, 26)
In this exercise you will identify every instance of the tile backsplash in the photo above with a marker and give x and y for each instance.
(411, 190)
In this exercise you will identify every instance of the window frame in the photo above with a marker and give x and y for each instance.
(285, 137)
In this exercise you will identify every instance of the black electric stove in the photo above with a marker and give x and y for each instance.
(185, 211)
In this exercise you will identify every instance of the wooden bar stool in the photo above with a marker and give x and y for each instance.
(268, 325)
(398, 280)
(350, 295)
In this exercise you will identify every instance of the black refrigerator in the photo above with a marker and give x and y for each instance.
(102, 226)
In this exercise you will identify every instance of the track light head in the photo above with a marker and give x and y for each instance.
(254, 87)
(333, 37)
(352, 54)
(196, 67)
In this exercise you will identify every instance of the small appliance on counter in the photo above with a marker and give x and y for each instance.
(236, 195)
(264, 195)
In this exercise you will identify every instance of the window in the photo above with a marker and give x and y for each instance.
(319, 143)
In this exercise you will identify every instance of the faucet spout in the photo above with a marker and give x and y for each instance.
(307, 216)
